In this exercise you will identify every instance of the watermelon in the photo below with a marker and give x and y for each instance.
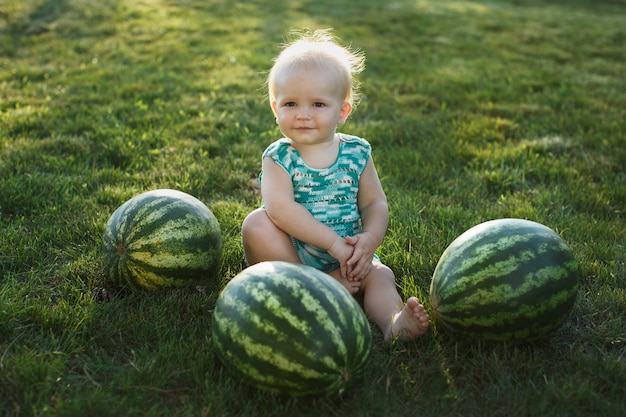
(161, 238)
(505, 280)
(291, 329)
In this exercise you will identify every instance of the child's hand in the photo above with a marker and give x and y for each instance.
(341, 250)
(360, 262)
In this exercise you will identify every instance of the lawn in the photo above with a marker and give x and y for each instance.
(476, 110)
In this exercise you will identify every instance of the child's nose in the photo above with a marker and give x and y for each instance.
(303, 113)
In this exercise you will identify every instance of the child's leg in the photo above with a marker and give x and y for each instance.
(385, 308)
(263, 241)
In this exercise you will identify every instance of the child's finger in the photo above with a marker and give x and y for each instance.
(343, 270)
(361, 269)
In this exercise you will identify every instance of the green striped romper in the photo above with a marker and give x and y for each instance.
(329, 194)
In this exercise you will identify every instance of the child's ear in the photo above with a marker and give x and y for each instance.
(344, 112)
(273, 104)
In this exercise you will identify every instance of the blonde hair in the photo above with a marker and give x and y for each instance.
(320, 49)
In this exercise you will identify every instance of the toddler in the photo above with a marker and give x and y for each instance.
(323, 204)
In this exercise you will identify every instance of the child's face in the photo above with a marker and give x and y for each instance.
(309, 106)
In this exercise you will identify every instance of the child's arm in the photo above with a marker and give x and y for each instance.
(294, 219)
(375, 217)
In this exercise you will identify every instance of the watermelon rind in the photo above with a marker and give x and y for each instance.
(291, 329)
(505, 279)
(161, 238)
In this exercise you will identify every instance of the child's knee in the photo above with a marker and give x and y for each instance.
(384, 271)
(254, 223)
(381, 274)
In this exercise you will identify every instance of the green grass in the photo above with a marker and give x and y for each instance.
(476, 110)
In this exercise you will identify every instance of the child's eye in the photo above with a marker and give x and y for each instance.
(318, 104)
(290, 104)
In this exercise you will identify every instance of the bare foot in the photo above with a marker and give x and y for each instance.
(410, 323)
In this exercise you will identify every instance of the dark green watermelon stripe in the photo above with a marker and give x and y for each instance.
(532, 287)
(275, 324)
(333, 297)
(173, 246)
(157, 277)
(267, 296)
(486, 274)
(112, 229)
(351, 348)
(266, 374)
(147, 211)
(320, 313)
(170, 250)
(126, 214)
(489, 313)
(294, 288)
(326, 305)
(519, 253)
(537, 283)
(166, 229)
(491, 271)
(270, 363)
(536, 319)
(244, 345)
(168, 262)
(150, 279)
(476, 257)
(514, 330)
(153, 214)
(118, 269)
(493, 240)
(182, 272)
(271, 370)
(466, 260)
(165, 261)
